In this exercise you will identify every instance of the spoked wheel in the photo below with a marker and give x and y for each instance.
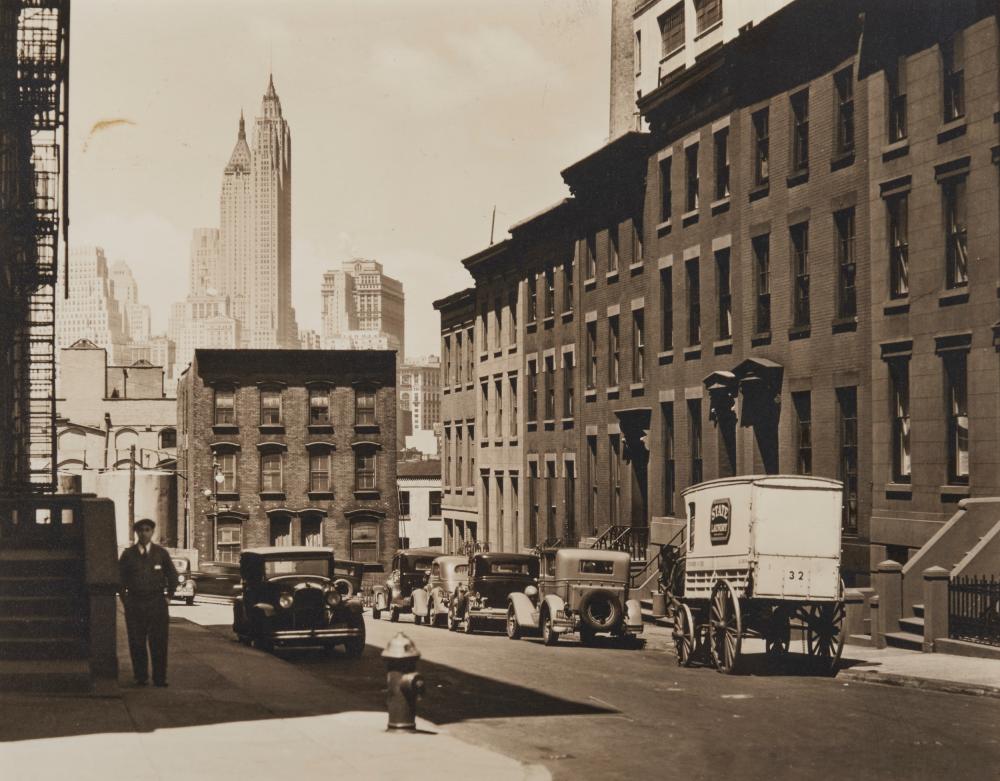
(549, 635)
(726, 628)
(683, 635)
(824, 625)
(778, 634)
(513, 628)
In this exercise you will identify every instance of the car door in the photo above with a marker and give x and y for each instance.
(217, 579)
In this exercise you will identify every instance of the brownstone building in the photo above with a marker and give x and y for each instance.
(289, 447)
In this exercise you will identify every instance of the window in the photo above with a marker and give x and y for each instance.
(497, 324)
(364, 407)
(761, 147)
(707, 13)
(514, 509)
(800, 131)
(456, 359)
(847, 429)
(498, 394)
(592, 479)
(270, 472)
(311, 531)
(843, 82)
(694, 440)
(957, 398)
(364, 469)
(895, 89)
(280, 531)
(691, 174)
(590, 248)
(615, 493)
(669, 465)
(532, 390)
(637, 244)
(512, 308)
(899, 395)
(956, 233)
(484, 389)
(897, 211)
(228, 540)
(364, 541)
(953, 77)
(666, 309)
(551, 499)
(319, 402)
(568, 399)
(435, 504)
(404, 504)
(550, 387)
(459, 457)
(168, 438)
(638, 346)
(270, 407)
(724, 294)
(722, 164)
(225, 406)
(666, 194)
(591, 355)
(671, 30)
(694, 301)
(613, 351)
(637, 52)
(802, 403)
(470, 352)
(319, 471)
(568, 285)
(446, 351)
(227, 463)
(532, 298)
(847, 304)
(550, 292)
(512, 418)
(613, 249)
(800, 273)
(532, 503)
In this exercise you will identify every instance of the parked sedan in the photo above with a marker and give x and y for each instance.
(217, 578)
(186, 588)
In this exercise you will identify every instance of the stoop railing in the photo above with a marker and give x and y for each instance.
(974, 610)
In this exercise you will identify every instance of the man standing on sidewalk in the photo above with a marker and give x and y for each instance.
(148, 577)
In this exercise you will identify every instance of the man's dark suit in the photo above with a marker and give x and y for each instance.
(147, 580)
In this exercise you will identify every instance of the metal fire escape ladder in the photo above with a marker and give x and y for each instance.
(42, 78)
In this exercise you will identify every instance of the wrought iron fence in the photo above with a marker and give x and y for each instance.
(974, 610)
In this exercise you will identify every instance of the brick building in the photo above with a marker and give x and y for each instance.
(807, 231)
(299, 447)
(458, 419)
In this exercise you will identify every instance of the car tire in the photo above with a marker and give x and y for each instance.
(549, 636)
(394, 615)
(587, 636)
(513, 628)
(467, 626)
(354, 647)
(263, 644)
(190, 601)
(376, 613)
(452, 621)
(417, 619)
(601, 611)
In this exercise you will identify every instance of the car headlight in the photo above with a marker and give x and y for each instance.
(285, 601)
(531, 591)
(180, 580)
(333, 597)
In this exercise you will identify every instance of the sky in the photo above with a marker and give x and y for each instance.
(410, 121)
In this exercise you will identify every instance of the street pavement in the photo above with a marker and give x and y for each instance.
(611, 712)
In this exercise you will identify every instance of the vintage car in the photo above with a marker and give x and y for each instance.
(493, 577)
(287, 597)
(186, 588)
(405, 586)
(447, 573)
(347, 576)
(216, 578)
(580, 590)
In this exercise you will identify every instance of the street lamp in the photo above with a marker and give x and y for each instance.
(213, 493)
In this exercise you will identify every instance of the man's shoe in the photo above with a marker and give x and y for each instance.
(161, 684)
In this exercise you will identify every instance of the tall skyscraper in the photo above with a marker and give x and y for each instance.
(90, 311)
(134, 314)
(206, 262)
(338, 306)
(363, 308)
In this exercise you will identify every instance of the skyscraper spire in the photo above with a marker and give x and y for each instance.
(243, 128)
(270, 87)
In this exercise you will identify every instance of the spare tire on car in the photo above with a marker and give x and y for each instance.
(601, 611)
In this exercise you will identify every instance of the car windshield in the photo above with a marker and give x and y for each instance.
(590, 567)
(461, 569)
(509, 568)
(421, 565)
(181, 565)
(296, 567)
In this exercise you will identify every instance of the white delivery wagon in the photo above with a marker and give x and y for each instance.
(761, 558)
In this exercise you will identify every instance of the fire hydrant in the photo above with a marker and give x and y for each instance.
(404, 685)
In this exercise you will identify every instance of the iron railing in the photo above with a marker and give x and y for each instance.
(974, 610)
(631, 539)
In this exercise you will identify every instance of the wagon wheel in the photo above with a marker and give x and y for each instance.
(725, 628)
(824, 626)
(778, 633)
(684, 639)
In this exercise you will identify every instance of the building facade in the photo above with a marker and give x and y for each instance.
(379, 304)
(420, 391)
(289, 447)
(90, 311)
(420, 511)
(458, 419)
(339, 314)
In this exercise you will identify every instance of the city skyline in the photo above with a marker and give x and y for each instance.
(387, 197)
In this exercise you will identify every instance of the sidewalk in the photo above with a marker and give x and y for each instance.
(229, 713)
(893, 666)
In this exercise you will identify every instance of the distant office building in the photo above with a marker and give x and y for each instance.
(134, 314)
(310, 340)
(205, 265)
(339, 316)
(90, 311)
(201, 321)
(419, 391)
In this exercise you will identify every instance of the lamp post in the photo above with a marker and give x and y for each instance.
(213, 493)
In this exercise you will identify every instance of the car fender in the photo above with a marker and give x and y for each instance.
(633, 613)
(264, 610)
(524, 610)
(419, 601)
(381, 601)
(553, 604)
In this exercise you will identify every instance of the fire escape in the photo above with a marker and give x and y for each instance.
(43, 103)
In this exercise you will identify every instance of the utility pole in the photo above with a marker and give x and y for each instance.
(493, 223)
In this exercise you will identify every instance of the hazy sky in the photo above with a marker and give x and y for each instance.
(410, 119)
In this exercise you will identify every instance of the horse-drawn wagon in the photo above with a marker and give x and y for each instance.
(761, 559)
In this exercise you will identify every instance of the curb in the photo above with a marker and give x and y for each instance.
(915, 682)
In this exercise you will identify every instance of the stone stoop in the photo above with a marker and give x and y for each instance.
(911, 631)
